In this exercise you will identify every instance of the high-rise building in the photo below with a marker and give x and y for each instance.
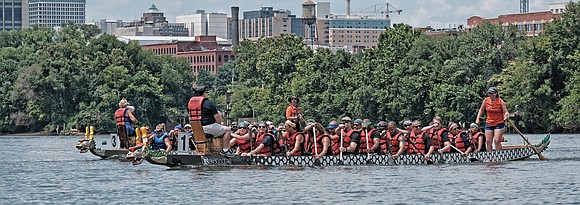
(109, 26)
(205, 24)
(269, 22)
(11, 14)
(54, 13)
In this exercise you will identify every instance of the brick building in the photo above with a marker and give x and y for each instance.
(532, 23)
(202, 52)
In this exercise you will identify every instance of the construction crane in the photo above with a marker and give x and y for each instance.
(383, 9)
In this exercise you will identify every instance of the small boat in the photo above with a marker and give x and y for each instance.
(89, 145)
(509, 153)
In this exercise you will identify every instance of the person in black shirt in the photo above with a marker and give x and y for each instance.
(212, 122)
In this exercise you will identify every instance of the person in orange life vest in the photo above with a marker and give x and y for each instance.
(263, 145)
(477, 138)
(497, 113)
(293, 112)
(459, 139)
(322, 146)
(293, 138)
(351, 136)
(395, 140)
(241, 138)
(124, 116)
(211, 121)
(366, 128)
(420, 141)
(439, 135)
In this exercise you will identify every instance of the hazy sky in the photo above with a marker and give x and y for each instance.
(434, 13)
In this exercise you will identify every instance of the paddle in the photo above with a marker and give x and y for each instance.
(316, 161)
(526, 139)
(341, 143)
(414, 145)
(472, 159)
(367, 140)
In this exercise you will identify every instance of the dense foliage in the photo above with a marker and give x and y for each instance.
(75, 77)
(410, 75)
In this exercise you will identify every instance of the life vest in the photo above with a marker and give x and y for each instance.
(494, 112)
(244, 145)
(474, 139)
(393, 141)
(458, 142)
(294, 112)
(159, 142)
(121, 116)
(319, 146)
(266, 150)
(346, 142)
(363, 141)
(291, 142)
(419, 144)
(194, 107)
(436, 137)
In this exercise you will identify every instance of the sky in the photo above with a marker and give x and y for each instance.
(417, 13)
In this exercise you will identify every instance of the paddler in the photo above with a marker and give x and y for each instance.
(476, 138)
(124, 117)
(264, 143)
(459, 139)
(439, 135)
(322, 145)
(351, 136)
(294, 139)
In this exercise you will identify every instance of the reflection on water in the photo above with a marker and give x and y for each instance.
(50, 170)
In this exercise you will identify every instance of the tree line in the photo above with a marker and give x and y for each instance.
(75, 77)
(410, 75)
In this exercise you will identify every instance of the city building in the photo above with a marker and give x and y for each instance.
(268, 22)
(531, 23)
(205, 24)
(202, 52)
(54, 13)
(355, 32)
(153, 23)
(12, 15)
(109, 26)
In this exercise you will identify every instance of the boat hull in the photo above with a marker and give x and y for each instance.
(177, 159)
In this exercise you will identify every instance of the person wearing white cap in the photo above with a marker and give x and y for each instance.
(497, 114)
(123, 118)
(350, 135)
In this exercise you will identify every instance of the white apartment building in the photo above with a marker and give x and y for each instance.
(54, 13)
(205, 24)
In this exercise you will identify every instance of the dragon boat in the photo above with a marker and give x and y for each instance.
(194, 158)
(88, 145)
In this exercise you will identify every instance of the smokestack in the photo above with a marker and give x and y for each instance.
(348, 7)
(235, 27)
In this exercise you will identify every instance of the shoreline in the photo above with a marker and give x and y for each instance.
(36, 134)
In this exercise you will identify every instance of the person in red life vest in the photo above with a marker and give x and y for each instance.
(264, 143)
(459, 139)
(351, 136)
(497, 114)
(419, 141)
(334, 137)
(477, 138)
(395, 140)
(124, 116)
(241, 138)
(366, 129)
(211, 121)
(294, 139)
(293, 112)
(439, 135)
(322, 145)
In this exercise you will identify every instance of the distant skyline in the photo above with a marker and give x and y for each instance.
(417, 13)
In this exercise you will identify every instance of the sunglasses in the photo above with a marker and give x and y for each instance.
(261, 126)
(188, 128)
(356, 125)
(455, 128)
(242, 128)
(417, 126)
(407, 125)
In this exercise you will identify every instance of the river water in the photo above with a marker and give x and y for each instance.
(49, 170)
